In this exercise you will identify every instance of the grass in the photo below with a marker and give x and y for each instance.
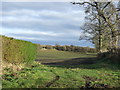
(100, 74)
(38, 76)
(55, 54)
(18, 51)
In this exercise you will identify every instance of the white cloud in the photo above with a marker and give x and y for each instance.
(42, 21)
(27, 32)
(54, 19)
(28, 14)
(27, 38)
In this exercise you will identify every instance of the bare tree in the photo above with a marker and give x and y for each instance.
(106, 15)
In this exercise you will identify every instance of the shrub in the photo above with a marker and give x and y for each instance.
(75, 49)
(48, 47)
(113, 55)
(17, 51)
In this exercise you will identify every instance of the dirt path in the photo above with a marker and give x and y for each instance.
(73, 61)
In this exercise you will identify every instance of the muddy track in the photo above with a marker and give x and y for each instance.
(73, 61)
(89, 80)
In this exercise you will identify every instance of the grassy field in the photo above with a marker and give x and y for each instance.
(98, 74)
(55, 54)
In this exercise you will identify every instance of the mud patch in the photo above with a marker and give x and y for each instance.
(89, 83)
(53, 81)
(72, 61)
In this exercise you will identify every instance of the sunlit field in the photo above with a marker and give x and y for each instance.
(54, 75)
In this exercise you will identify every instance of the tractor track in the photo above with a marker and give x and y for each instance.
(53, 81)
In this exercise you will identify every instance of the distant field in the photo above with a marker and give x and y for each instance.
(55, 54)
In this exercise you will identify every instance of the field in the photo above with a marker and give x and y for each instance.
(63, 58)
(55, 54)
(60, 69)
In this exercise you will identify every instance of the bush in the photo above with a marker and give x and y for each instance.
(48, 47)
(75, 49)
(70, 48)
(17, 51)
(113, 55)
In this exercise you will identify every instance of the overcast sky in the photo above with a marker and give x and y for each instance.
(44, 22)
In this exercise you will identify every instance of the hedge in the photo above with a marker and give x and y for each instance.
(17, 51)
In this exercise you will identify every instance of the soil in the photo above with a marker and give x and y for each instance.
(73, 61)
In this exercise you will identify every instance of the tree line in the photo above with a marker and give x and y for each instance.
(70, 48)
(102, 27)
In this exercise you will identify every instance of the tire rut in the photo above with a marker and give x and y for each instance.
(53, 81)
(89, 80)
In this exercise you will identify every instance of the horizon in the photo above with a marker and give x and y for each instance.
(45, 23)
(47, 44)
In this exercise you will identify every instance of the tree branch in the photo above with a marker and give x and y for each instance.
(84, 3)
(106, 5)
(118, 9)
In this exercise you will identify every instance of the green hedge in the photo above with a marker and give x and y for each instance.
(17, 51)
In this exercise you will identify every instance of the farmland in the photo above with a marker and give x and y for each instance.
(60, 44)
(49, 72)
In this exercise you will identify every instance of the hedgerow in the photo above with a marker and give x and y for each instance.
(17, 51)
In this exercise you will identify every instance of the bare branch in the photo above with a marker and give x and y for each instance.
(84, 3)
(118, 9)
(106, 5)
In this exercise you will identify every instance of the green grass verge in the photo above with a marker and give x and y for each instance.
(39, 76)
(100, 74)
